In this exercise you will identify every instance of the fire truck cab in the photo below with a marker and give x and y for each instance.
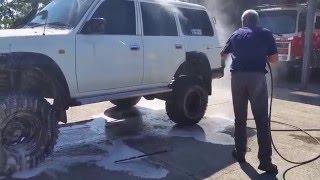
(288, 23)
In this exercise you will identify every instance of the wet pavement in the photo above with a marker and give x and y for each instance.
(103, 142)
(137, 143)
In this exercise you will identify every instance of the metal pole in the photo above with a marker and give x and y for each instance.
(308, 49)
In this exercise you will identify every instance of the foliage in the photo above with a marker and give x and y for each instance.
(14, 12)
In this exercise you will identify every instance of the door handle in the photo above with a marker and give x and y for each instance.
(135, 47)
(209, 47)
(178, 46)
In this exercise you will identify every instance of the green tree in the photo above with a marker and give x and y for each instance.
(16, 13)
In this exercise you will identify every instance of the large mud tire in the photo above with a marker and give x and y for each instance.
(188, 103)
(28, 132)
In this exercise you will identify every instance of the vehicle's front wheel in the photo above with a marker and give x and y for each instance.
(188, 103)
(126, 103)
(28, 131)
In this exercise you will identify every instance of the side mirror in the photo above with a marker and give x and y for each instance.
(214, 20)
(95, 26)
(44, 14)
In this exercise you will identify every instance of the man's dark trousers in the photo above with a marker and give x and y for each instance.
(251, 86)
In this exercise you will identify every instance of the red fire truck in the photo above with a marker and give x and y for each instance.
(288, 23)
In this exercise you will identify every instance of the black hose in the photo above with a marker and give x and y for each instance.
(289, 125)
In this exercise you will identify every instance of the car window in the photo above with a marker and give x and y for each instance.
(274, 21)
(158, 20)
(61, 13)
(317, 24)
(302, 22)
(119, 15)
(195, 22)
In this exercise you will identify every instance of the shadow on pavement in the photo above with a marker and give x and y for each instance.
(196, 159)
(254, 175)
(127, 122)
(192, 156)
(291, 92)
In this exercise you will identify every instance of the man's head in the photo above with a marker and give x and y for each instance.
(250, 18)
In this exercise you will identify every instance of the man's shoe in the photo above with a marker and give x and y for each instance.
(239, 158)
(268, 168)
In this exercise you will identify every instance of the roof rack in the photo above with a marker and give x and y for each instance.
(281, 5)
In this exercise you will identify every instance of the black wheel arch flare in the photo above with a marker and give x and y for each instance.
(196, 63)
(18, 61)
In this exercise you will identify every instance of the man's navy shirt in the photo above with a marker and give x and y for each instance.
(250, 48)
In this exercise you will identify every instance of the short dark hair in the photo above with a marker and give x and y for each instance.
(250, 18)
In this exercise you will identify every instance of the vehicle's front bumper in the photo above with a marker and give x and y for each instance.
(217, 73)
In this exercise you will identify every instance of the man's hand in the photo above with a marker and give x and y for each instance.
(223, 56)
(223, 59)
(273, 58)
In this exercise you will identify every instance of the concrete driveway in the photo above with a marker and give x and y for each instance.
(102, 142)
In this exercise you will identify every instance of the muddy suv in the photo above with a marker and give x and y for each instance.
(78, 52)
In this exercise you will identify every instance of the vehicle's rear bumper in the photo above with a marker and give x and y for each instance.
(217, 73)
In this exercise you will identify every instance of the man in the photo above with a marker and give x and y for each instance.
(250, 47)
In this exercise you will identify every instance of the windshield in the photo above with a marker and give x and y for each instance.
(61, 13)
(279, 22)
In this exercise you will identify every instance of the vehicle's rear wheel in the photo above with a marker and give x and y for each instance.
(188, 103)
(280, 72)
(28, 131)
(126, 103)
(294, 71)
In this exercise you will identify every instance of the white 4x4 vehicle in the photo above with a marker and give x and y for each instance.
(85, 51)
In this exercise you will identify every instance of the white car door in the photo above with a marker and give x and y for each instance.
(114, 59)
(163, 49)
(199, 34)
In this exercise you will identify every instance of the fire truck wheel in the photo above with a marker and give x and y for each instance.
(283, 71)
(294, 71)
